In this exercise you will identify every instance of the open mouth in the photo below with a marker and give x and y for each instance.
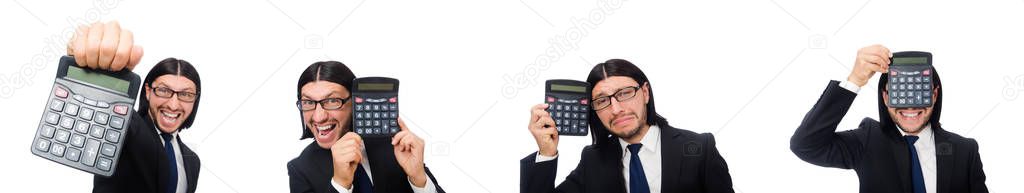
(910, 115)
(169, 117)
(324, 130)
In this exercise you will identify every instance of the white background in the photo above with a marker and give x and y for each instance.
(746, 71)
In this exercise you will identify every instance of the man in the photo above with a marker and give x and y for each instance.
(340, 160)
(634, 150)
(906, 151)
(153, 159)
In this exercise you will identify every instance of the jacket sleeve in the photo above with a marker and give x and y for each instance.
(816, 140)
(431, 176)
(716, 171)
(296, 181)
(977, 174)
(539, 177)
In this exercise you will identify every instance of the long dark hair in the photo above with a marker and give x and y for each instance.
(331, 71)
(619, 67)
(172, 66)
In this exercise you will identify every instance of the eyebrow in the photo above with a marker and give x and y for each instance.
(159, 84)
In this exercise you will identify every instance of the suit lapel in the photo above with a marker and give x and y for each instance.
(944, 160)
(611, 157)
(191, 165)
(671, 159)
(901, 156)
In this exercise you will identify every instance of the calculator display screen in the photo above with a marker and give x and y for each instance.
(910, 60)
(567, 88)
(376, 86)
(98, 79)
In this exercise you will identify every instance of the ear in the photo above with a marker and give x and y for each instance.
(885, 97)
(149, 93)
(646, 88)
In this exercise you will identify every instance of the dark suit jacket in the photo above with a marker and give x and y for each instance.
(880, 156)
(313, 169)
(690, 163)
(143, 163)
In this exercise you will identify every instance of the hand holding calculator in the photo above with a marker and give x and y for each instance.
(910, 77)
(568, 102)
(83, 125)
(376, 107)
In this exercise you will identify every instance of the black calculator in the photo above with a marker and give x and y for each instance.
(568, 102)
(83, 124)
(910, 79)
(376, 107)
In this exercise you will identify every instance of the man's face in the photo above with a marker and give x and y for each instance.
(170, 112)
(327, 126)
(622, 118)
(911, 120)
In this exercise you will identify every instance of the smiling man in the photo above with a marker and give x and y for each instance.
(634, 150)
(906, 151)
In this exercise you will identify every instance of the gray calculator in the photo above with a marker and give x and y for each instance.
(84, 121)
(568, 102)
(376, 107)
(910, 79)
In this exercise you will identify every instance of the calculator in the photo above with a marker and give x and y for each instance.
(910, 79)
(568, 103)
(376, 107)
(84, 122)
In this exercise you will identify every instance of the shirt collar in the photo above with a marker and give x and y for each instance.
(651, 140)
(925, 134)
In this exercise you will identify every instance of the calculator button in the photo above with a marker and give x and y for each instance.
(359, 100)
(926, 72)
(47, 131)
(79, 98)
(102, 104)
(103, 164)
(92, 148)
(52, 118)
(89, 102)
(67, 122)
(82, 127)
(100, 118)
(116, 122)
(928, 86)
(394, 123)
(927, 79)
(121, 109)
(57, 105)
(108, 150)
(77, 140)
(113, 136)
(359, 115)
(86, 113)
(73, 154)
(376, 107)
(393, 100)
(376, 123)
(96, 132)
(927, 101)
(60, 92)
(376, 115)
(394, 115)
(43, 145)
(550, 99)
(62, 136)
(71, 109)
(57, 150)
(393, 107)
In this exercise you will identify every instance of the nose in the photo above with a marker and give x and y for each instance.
(319, 115)
(614, 106)
(173, 103)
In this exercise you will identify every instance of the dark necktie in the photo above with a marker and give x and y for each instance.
(917, 177)
(637, 178)
(362, 181)
(172, 163)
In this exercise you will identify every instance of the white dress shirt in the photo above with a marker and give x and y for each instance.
(925, 146)
(427, 187)
(182, 177)
(650, 158)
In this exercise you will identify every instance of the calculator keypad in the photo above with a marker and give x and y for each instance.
(376, 117)
(81, 132)
(910, 89)
(570, 115)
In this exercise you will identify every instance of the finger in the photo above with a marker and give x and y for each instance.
(136, 56)
(92, 46)
(123, 51)
(398, 137)
(401, 124)
(79, 42)
(108, 44)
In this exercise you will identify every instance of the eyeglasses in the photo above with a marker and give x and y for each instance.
(326, 104)
(622, 94)
(183, 96)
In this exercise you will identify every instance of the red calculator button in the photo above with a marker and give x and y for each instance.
(551, 99)
(359, 100)
(121, 109)
(583, 101)
(393, 100)
(926, 72)
(60, 92)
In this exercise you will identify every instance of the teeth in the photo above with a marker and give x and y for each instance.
(172, 115)
(911, 114)
(324, 128)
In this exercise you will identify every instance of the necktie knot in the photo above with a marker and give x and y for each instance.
(911, 139)
(634, 148)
